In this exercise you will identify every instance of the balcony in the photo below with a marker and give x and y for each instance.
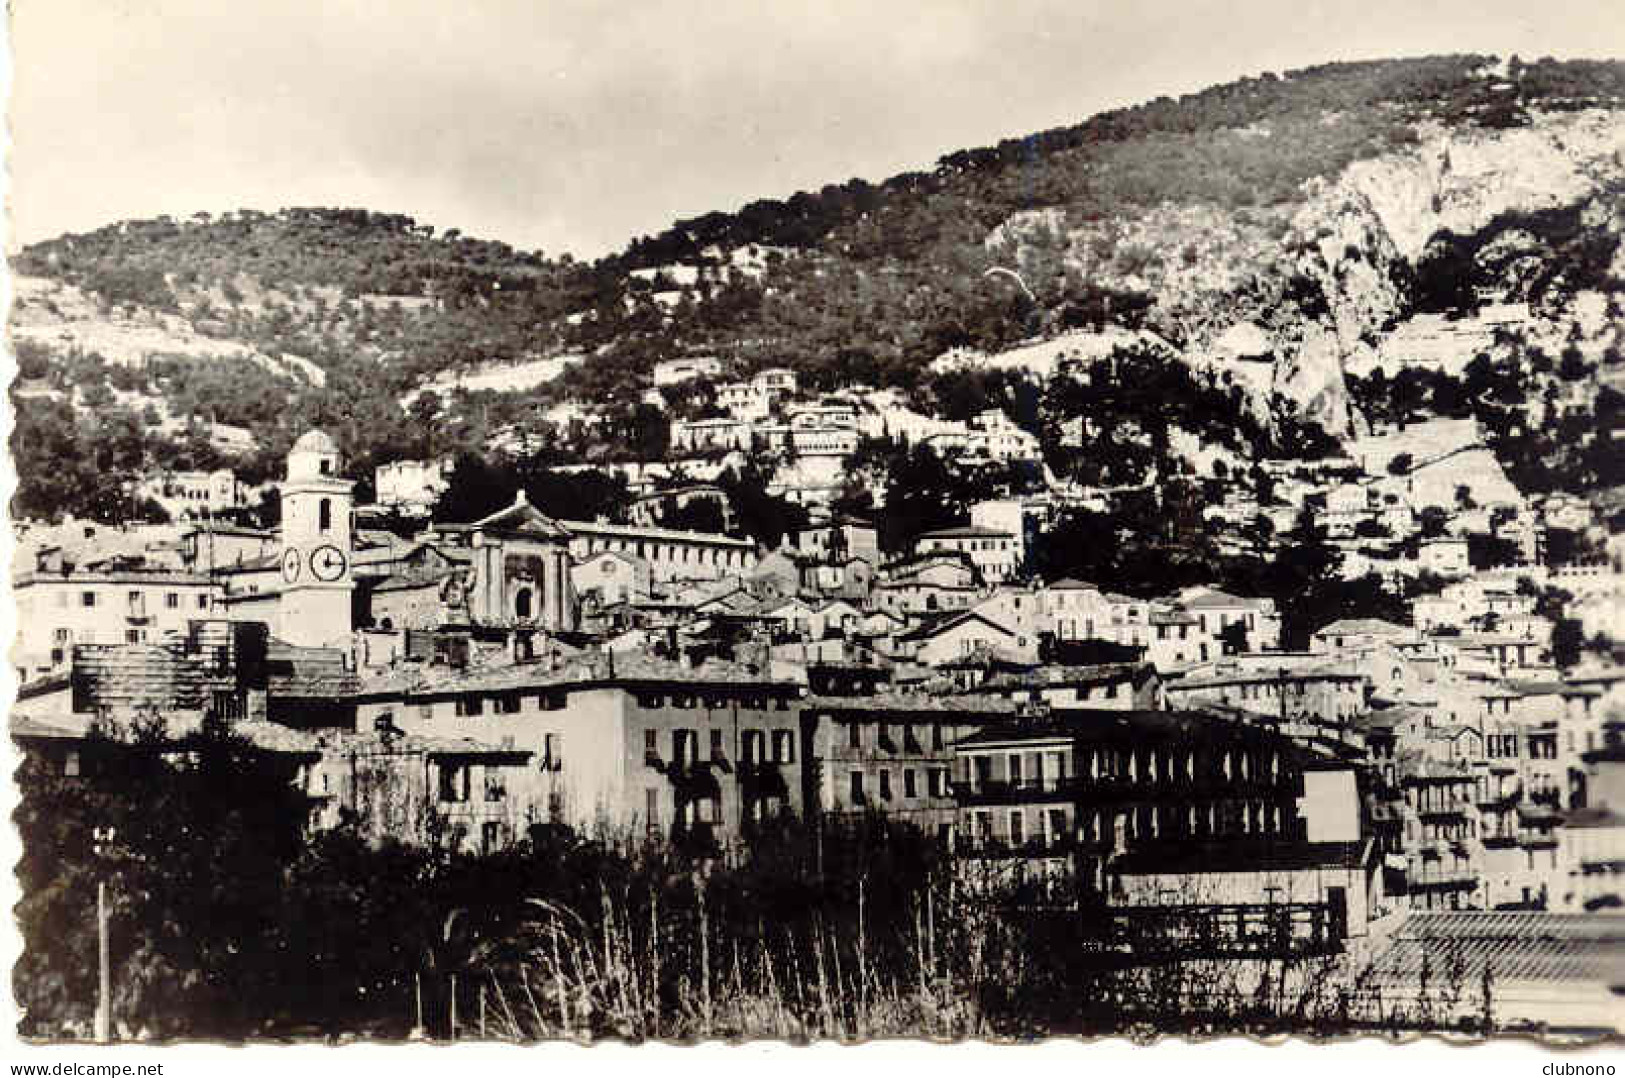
(1007, 791)
(1036, 848)
(1442, 879)
(763, 778)
(696, 779)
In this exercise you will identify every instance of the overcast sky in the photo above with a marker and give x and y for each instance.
(569, 126)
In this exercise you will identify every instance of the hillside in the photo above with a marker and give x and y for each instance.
(1273, 234)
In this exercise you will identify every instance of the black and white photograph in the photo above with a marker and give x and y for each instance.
(816, 522)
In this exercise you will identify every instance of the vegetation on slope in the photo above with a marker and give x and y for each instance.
(862, 282)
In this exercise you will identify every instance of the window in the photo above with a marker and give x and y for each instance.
(937, 781)
(854, 736)
(784, 746)
(651, 747)
(496, 787)
(716, 745)
(552, 752)
(856, 779)
(684, 747)
(172, 601)
(909, 788)
(470, 705)
(490, 833)
(984, 771)
(131, 636)
(453, 782)
(508, 705)
(936, 736)
(1057, 826)
(87, 598)
(70, 765)
(885, 785)
(203, 602)
(324, 515)
(651, 805)
(62, 636)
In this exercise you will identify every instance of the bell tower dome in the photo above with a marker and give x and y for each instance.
(317, 582)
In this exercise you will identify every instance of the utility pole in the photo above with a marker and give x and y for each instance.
(104, 978)
(104, 970)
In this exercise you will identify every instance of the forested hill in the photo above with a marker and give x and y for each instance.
(1180, 217)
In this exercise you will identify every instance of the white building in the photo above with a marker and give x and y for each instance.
(993, 436)
(122, 605)
(412, 486)
(670, 554)
(192, 495)
(612, 576)
(996, 554)
(671, 372)
(706, 435)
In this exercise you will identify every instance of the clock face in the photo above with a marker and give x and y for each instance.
(327, 563)
(291, 564)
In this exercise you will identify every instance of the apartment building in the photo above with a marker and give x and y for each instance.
(119, 603)
(625, 744)
(892, 753)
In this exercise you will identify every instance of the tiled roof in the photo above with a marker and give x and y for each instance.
(1261, 675)
(405, 582)
(1359, 626)
(55, 727)
(914, 703)
(937, 627)
(1212, 598)
(966, 531)
(584, 527)
(1136, 727)
(277, 738)
(1054, 675)
(584, 669)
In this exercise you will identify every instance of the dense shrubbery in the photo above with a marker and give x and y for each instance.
(228, 923)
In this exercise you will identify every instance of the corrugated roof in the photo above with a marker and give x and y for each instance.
(1521, 946)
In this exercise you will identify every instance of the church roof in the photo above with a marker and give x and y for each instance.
(521, 516)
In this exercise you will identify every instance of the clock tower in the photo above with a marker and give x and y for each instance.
(314, 610)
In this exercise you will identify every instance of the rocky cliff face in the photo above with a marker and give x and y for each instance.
(1324, 280)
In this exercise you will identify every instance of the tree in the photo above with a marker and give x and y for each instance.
(762, 516)
(1489, 551)
(1568, 639)
(1435, 522)
(202, 842)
